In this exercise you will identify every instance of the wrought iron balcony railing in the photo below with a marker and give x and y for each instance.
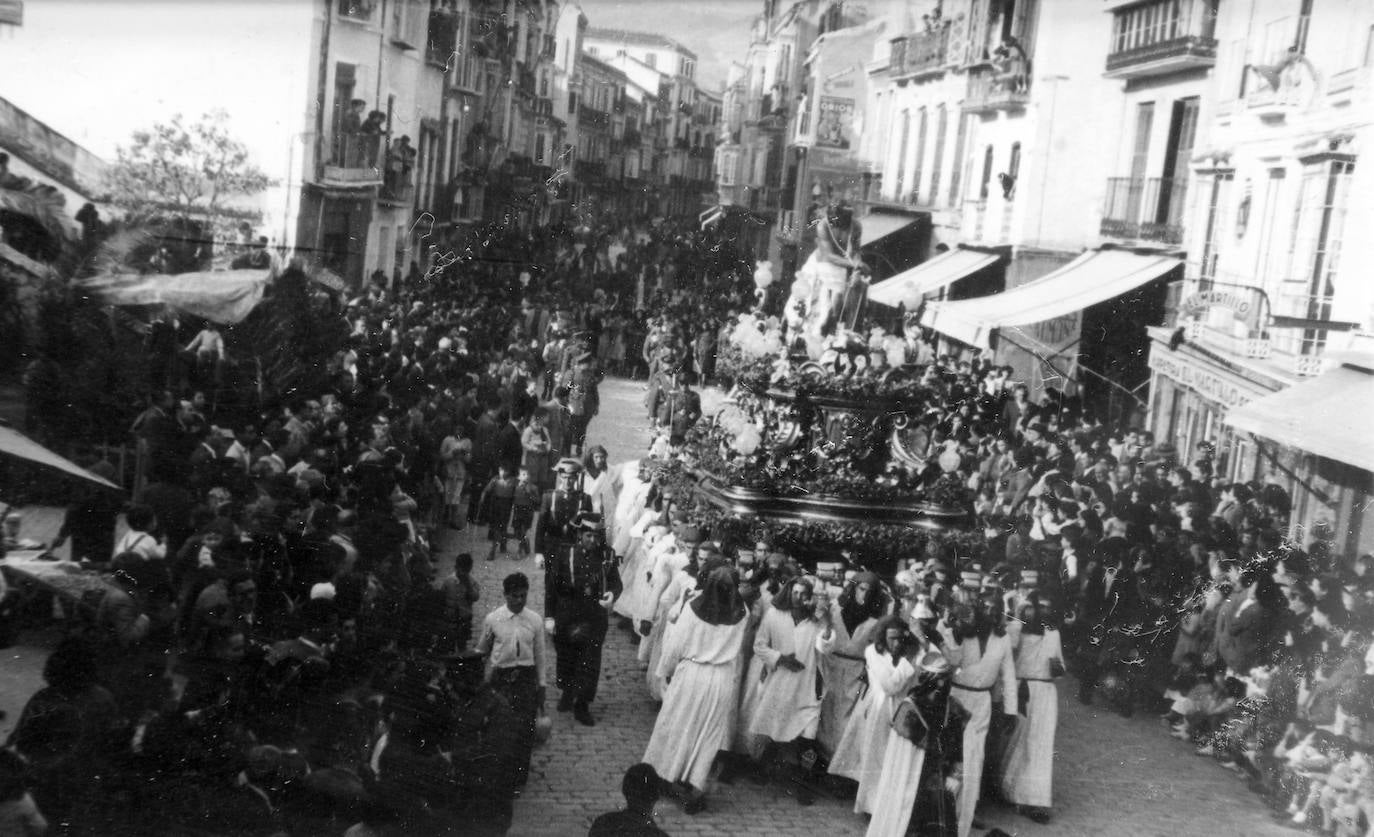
(1145, 208)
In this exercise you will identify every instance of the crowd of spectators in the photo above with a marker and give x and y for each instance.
(274, 647)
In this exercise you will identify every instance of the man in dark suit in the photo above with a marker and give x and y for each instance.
(1108, 600)
(559, 508)
(580, 585)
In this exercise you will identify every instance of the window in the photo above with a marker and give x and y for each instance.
(592, 50)
(1211, 230)
(1269, 234)
(1013, 171)
(938, 163)
(1315, 256)
(987, 174)
(903, 133)
(1148, 24)
(539, 148)
(919, 162)
(957, 167)
(651, 58)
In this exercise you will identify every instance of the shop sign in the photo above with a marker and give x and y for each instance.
(1205, 382)
(835, 125)
(1243, 302)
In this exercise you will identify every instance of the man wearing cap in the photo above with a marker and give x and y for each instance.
(580, 585)
(559, 508)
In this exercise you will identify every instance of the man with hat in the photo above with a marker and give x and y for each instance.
(559, 508)
(580, 585)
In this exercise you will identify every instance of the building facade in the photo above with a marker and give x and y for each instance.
(1274, 297)
(667, 70)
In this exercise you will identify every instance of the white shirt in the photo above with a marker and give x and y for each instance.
(513, 639)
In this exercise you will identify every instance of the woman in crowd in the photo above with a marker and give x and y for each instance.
(699, 665)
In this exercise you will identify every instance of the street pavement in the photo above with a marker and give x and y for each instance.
(1114, 777)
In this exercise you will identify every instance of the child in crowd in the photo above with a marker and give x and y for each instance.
(460, 591)
(498, 498)
(525, 504)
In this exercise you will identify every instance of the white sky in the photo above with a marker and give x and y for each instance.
(97, 70)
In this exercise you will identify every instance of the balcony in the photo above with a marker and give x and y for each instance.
(1145, 208)
(1162, 37)
(359, 11)
(1273, 102)
(401, 193)
(1302, 325)
(352, 161)
(588, 115)
(918, 54)
(1289, 331)
(1003, 86)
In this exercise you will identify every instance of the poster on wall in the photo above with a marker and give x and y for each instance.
(835, 124)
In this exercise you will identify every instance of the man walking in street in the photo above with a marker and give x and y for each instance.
(513, 643)
(580, 585)
(584, 400)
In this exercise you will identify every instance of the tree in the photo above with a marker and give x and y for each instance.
(185, 175)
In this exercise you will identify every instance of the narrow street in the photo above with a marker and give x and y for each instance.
(1142, 784)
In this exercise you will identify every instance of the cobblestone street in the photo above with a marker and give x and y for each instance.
(1114, 777)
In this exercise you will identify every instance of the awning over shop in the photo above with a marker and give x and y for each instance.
(1095, 276)
(222, 296)
(910, 286)
(16, 444)
(1328, 416)
(880, 225)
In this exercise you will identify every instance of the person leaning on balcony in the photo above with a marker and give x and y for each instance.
(369, 142)
(350, 127)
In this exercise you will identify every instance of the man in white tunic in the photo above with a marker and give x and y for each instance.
(1029, 774)
(699, 663)
(891, 667)
(978, 648)
(629, 506)
(790, 641)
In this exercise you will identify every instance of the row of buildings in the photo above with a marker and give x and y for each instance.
(1175, 183)
(394, 125)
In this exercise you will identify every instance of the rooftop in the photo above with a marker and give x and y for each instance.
(649, 39)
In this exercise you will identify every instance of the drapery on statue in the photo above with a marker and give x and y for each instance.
(822, 286)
